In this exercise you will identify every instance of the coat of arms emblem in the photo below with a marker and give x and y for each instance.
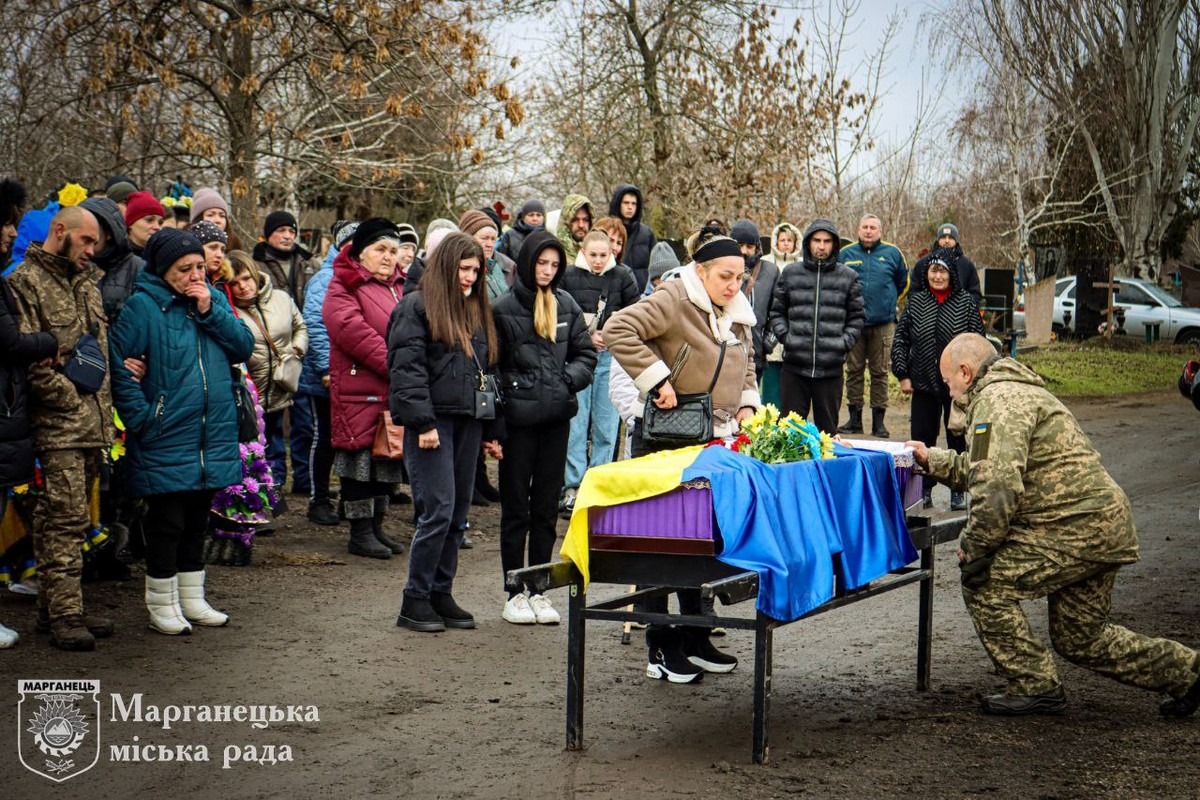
(59, 727)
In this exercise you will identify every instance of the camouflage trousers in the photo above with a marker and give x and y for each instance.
(60, 524)
(873, 350)
(1080, 598)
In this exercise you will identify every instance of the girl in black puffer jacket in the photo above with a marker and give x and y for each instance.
(935, 314)
(546, 357)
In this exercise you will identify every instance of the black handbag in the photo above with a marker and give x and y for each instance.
(690, 422)
(487, 396)
(247, 416)
(86, 366)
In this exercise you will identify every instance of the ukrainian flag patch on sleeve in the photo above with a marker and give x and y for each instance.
(980, 439)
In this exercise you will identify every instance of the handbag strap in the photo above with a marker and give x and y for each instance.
(717, 373)
(478, 366)
(258, 321)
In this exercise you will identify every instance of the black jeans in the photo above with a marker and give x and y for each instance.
(176, 524)
(824, 395)
(320, 454)
(930, 412)
(443, 481)
(531, 478)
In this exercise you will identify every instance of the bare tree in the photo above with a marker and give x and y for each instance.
(1123, 70)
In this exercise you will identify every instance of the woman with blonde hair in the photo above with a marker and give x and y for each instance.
(546, 357)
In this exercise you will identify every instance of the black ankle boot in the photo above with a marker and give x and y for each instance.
(700, 651)
(363, 542)
(381, 506)
(854, 424)
(667, 661)
(877, 428)
(450, 612)
(417, 614)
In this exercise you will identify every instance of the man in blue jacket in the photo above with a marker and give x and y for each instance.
(883, 273)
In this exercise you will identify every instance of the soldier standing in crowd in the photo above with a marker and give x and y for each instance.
(1046, 520)
(55, 292)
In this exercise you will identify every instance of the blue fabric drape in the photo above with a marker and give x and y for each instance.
(791, 523)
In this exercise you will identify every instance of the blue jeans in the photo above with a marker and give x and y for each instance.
(276, 448)
(443, 482)
(300, 416)
(597, 412)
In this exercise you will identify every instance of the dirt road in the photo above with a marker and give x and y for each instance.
(480, 713)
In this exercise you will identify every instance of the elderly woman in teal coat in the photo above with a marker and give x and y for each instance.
(180, 418)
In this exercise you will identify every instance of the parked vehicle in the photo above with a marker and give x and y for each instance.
(1143, 303)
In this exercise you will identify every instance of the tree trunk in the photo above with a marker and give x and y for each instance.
(243, 128)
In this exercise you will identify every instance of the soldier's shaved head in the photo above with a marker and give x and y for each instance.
(74, 234)
(962, 359)
(969, 348)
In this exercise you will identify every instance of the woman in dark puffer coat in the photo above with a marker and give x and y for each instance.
(546, 357)
(180, 417)
(935, 314)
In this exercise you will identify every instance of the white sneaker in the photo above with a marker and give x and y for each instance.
(518, 612)
(8, 637)
(545, 613)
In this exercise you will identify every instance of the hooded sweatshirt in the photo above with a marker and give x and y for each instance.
(1033, 474)
(639, 239)
(540, 378)
(571, 205)
(118, 263)
(817, 310)
(927, 326)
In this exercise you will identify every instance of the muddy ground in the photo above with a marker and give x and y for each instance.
(481, 713)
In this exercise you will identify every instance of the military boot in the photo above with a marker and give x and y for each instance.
(854, 424)
(1014, 705)
(877, 428)
(1184, 706)
(69, 633)
(99, 627)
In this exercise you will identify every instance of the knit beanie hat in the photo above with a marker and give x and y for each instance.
(119, 192)
(279, 219)
(744, 232)
(432, 240)
(662, 259)
(372, 231)
(114, 180)
(948, 229)
(494, 215)
(531, 206)
(438, 224)
(204, 199)
(408, 234)
(206, 231)
(471, 222)
(168, 246)
(142, 204)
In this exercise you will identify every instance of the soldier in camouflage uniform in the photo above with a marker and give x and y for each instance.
(55, 291)
(1046, 520)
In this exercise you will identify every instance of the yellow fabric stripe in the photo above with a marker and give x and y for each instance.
(621, 482)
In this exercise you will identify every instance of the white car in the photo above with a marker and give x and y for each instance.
(1142, 301)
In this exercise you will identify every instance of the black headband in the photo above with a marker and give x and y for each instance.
(717, 247)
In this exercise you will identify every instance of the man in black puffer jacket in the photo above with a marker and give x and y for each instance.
(627, 205)
(937, 312)
(118, 263)
(817, 313)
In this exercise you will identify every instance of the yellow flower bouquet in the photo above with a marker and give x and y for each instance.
(773, 439)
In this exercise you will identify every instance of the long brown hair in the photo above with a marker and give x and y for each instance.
(453, 318)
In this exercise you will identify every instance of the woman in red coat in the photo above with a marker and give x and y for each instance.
(365, 287)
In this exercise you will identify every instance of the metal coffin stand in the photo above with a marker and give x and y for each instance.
(715, 580)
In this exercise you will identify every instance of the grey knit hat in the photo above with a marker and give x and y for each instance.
(948, 229)
(662, 259)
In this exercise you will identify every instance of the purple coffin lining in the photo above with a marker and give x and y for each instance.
(682, 513)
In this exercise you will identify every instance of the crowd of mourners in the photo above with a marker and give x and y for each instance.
(164, 387)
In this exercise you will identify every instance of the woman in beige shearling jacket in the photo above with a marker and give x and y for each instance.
(670, 342)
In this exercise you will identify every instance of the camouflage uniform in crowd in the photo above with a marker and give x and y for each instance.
(1046, 520)
(69, 429)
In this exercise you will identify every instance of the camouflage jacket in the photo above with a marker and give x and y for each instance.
(1033, 474)
(54, 295)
